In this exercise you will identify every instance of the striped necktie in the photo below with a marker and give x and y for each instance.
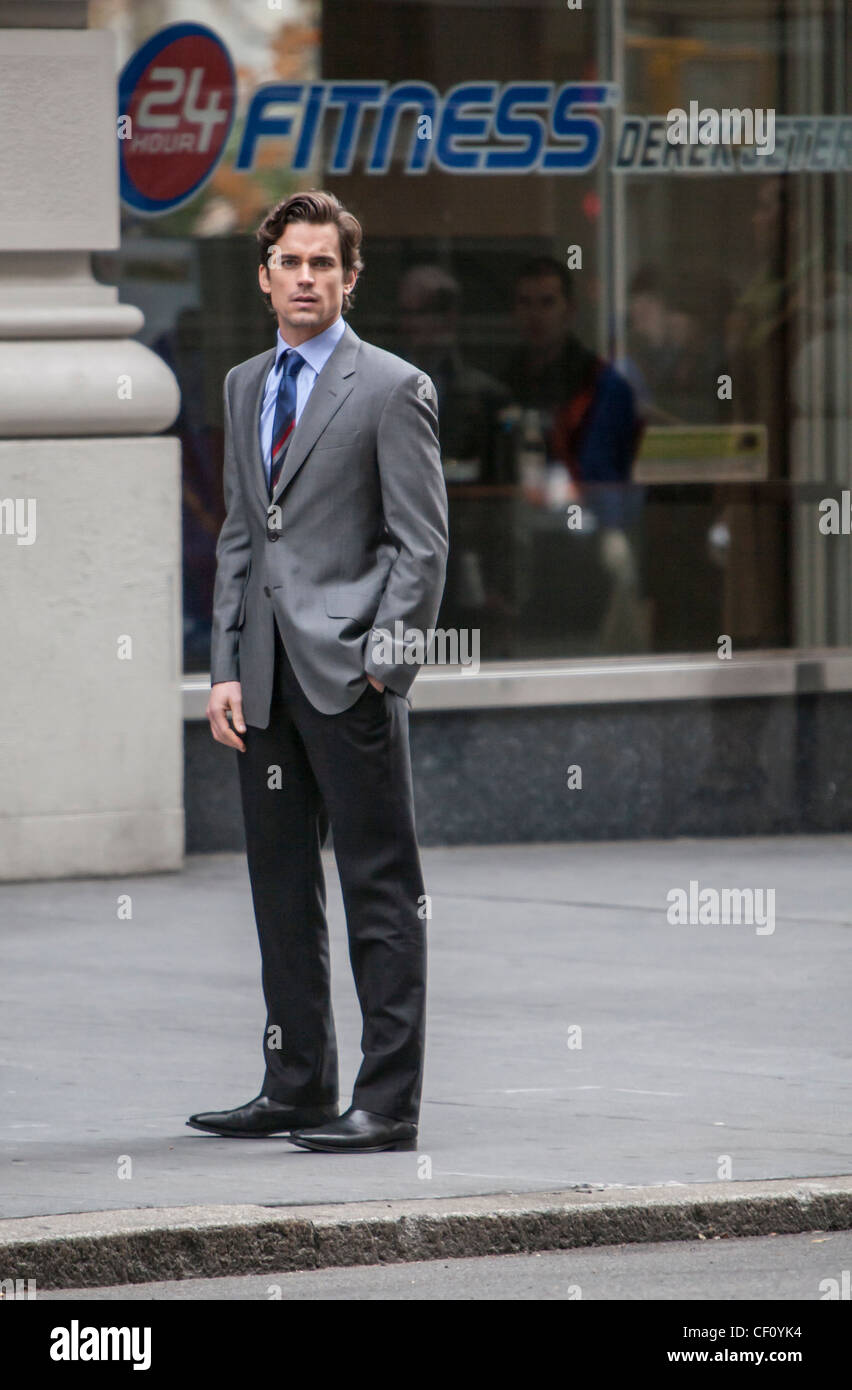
(285, 415)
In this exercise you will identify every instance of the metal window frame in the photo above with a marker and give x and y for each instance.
(609, 681)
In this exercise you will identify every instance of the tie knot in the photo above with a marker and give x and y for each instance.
(292, 362)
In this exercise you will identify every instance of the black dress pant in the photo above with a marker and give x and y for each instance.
(354, 770)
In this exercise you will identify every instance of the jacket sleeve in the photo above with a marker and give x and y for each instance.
(233, 552)
(610, 441)
(414, 501)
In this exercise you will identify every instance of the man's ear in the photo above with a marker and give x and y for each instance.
(263, 279)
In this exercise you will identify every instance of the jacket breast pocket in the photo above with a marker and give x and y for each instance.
(339, 437)
(358, 601)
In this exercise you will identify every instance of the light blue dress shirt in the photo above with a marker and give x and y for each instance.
(316, 352)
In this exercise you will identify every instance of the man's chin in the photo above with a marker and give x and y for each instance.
(308, 317)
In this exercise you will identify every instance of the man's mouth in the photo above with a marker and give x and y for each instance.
(304, 299)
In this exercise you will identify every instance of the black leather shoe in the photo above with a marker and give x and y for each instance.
(260, 1117)
(357, 1132)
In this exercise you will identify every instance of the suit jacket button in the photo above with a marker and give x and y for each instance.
(273, 535)
(267, 591)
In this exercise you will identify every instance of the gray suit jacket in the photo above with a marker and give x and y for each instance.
(356, 540)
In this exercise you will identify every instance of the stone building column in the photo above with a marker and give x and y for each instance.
(90, 526)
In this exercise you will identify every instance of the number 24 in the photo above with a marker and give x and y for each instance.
(207, 116)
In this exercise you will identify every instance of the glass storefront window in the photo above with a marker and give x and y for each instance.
(640, 349)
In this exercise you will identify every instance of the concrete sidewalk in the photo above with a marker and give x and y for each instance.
(707, 1051)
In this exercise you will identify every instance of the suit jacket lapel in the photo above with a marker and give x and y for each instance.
(332, 386)
(254, 401)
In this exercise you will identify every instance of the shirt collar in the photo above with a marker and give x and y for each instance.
(317, 350)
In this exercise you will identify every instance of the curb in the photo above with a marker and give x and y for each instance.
(97, 1249)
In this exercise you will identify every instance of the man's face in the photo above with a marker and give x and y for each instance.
(648, 317)
(304, 275)
(542, 313)
(425, 325)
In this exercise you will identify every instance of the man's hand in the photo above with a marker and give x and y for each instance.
(377, 685)
(225, 696)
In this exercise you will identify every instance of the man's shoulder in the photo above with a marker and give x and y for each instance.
(390, 367)
(244, 369)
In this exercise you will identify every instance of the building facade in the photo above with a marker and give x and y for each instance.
(638, 326)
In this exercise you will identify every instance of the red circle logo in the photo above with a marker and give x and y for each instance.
(179, 93)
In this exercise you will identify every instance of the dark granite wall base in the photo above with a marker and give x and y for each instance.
(772, 765)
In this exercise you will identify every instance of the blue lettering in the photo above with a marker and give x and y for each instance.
(519, 133)
(453, 125)
(566, 126)
(352, 97)
(529, 128)
(258, 125)
(630, 139)
(424, 97)
(655, 139)
(310, 125)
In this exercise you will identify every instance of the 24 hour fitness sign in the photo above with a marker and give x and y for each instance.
(177, 98)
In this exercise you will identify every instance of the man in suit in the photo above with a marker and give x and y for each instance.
(336, 531)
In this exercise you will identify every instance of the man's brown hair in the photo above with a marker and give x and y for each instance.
(318, 208)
